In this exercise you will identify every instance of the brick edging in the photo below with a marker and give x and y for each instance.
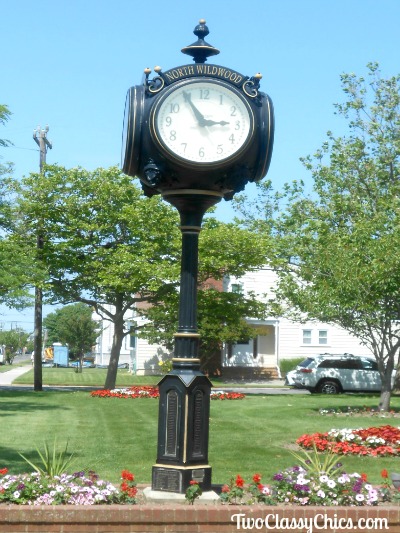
(179, 518)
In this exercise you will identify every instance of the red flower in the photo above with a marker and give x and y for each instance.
(384, 473)
(225, 488)
(239, 481)
(257, 478)
(193, 482)
(132, 491)
(364, 477)
(3, 471)
(125, 474)
(124, 486)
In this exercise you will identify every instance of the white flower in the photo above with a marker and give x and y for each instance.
(360, 497)
(321, 494)
(16, 494)
(323, 478)
(331, 484)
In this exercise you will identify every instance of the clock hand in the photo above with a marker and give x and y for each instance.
(213, 122)
(200, 119)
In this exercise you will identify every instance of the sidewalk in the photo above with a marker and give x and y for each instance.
(6, 378)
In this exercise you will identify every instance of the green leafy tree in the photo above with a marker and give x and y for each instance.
(74, 326)
(109, 247)
(17, 268)
(338, 248)
(224, 249)
(13, 341)
(5, 114)
(104, 244)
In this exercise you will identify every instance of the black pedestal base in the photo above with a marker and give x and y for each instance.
(177, 479)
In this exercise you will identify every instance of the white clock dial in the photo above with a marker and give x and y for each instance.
(203, 122)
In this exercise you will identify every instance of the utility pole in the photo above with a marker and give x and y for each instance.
(39, 136)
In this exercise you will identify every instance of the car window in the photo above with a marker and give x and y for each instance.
(347, 364)
(369, 364)
(306, 362)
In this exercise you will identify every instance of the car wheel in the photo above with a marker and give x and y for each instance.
(328, 387)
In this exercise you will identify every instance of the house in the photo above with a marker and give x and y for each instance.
(280, 338)
(276, 339)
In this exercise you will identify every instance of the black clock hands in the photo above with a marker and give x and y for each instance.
(200, 118)
(213, 122)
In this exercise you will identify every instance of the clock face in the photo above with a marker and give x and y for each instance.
(202, 122)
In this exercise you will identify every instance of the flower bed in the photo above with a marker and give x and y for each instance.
(375, 441)
(220, 395)
(79, 488)
(153, 392)
(128, 392)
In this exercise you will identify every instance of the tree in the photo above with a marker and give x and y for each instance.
(108, 246)
(224, 249)
(5, 114)
(74, 326)
(13, 341)
(104, 244)
(17, 266)
(338, 248)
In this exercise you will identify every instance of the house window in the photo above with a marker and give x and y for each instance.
(322, 336)
(237, 288)
(315, 337)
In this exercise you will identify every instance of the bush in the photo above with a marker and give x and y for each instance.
(286, 365)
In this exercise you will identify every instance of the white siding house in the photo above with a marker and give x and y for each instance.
(278, 339)
(281, 338)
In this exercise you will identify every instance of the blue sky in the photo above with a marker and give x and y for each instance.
(69, 64)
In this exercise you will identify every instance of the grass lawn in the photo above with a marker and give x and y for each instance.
(90, 377)
(110, 434)
(95, 377)
(6, 368)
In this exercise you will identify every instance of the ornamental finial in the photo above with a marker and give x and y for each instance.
(200, 50)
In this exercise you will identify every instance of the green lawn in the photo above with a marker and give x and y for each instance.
(110, 434)
(90, 377)
(95, 377)
(6, 367)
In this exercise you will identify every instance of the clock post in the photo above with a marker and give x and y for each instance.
(194, 134)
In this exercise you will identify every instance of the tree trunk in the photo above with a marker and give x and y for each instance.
(386, 391)
(115, 351)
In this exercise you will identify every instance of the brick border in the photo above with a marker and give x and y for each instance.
(183, 518)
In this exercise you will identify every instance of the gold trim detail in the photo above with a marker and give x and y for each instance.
(188, 359)
(197, 335)
(193, 191)
(195, 229)
(186, 428)
(177, 467)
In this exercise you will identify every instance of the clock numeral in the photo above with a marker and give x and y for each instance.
(204, 94)
(172, 135)
(233, 111)
(219, 149)
(237, 125)
(232, 139)
(201, 152)
(168, 121)
(174, 108)
(184, 147)
(221, 99)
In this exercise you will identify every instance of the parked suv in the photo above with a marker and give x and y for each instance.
(331, 374)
